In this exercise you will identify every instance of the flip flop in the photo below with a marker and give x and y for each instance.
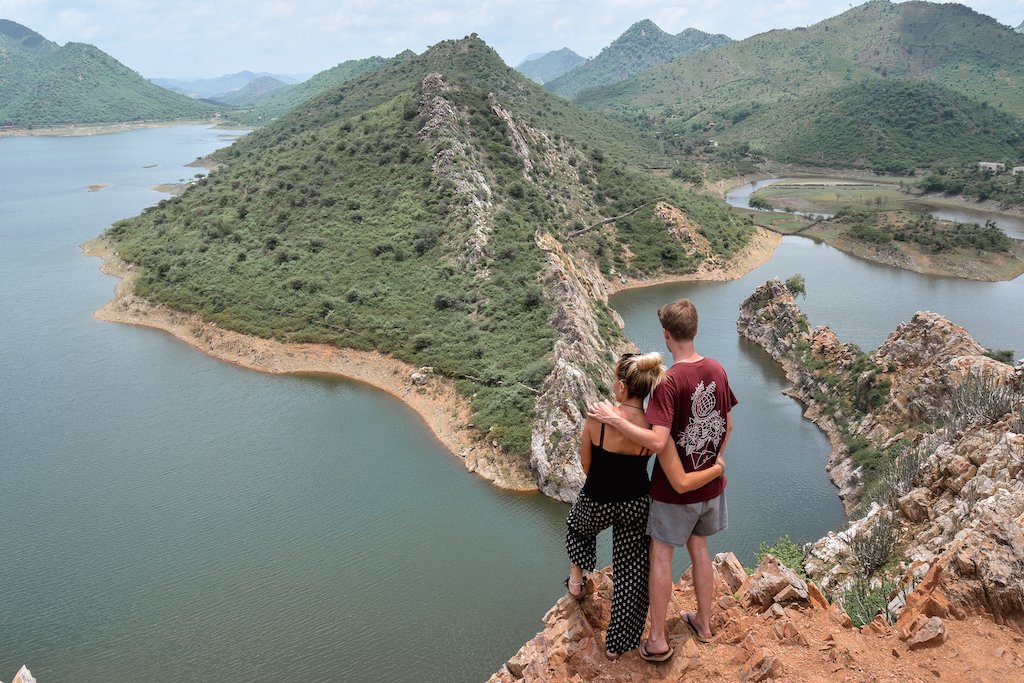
(693, 629)
(655, 656)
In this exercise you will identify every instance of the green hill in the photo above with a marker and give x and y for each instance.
(886, 124)
(253, 92)
(20, 49)
(50, 85)
(642, 47)
(550, 66)
(943, 44)
(285, 99)
(427, 210)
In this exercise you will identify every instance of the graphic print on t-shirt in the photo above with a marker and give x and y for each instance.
(706, 427)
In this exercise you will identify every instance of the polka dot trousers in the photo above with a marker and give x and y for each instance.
(630, 545)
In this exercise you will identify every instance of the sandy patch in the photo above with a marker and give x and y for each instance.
(73, 129)
(436, 401)
(96, 187)
(757, 251)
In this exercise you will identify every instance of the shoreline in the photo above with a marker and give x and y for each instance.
(435, 401)
(86, 129)
(756, 252)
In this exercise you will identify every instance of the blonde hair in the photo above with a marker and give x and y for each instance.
(640, 372)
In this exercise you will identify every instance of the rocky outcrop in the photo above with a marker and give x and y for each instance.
(456, 161)
(877, 399)
(23, 676)
(795, 638)
(582, 357)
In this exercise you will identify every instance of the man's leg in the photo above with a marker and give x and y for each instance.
(659, 588)
(703, 582)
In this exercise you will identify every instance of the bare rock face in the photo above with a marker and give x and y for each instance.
(23, 676)
(444, 132)
(561, 405)
(772, 582)
(879, 397)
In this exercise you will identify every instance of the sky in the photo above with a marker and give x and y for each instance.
(196, 38)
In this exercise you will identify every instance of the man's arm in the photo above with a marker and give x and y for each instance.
(653, 439)
(681, 480)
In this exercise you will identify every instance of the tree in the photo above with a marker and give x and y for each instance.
(797, 285)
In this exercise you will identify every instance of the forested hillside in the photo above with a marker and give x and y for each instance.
(551, 65)
(749, 92)
(44, 84)
(437, 210)
(641, 48)
(280, 101)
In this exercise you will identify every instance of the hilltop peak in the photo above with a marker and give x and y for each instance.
(643, 46)
(22, 35)
(642, 28)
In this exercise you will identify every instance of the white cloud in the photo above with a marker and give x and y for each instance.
(212, 37)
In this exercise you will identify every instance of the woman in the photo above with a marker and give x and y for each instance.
(615, 495)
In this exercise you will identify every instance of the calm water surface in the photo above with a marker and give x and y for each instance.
(168, 516)
(965, 213)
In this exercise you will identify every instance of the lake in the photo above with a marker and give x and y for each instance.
(168, 516)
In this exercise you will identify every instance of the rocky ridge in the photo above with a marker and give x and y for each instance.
(771, 625)
(948, 590)
(881, 399)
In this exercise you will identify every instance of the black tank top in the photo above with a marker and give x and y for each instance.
(615, 477)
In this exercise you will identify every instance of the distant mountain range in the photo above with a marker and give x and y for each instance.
(252, 93)
(42, 83)
(280, 101)
(641, 48)
(913, 83)
(550, 66)
(221, 85)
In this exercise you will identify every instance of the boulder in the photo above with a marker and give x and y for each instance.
(731, 570)
(931, 633)
(771, 579)
(915, 504)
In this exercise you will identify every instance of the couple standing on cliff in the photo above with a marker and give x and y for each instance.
(687, 424)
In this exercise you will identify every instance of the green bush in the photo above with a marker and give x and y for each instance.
(785, 551)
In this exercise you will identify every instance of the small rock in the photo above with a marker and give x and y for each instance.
(932, 633)
(915, 504)
(761, 666)
(769, 580)
(731, 570)
(23, 676)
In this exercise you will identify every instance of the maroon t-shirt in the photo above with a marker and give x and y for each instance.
(693, 402)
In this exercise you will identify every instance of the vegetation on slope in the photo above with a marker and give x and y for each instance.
(283, 100)
(971, 181)
(750, 90)
(642, 47)
(893, 126)
(79, 83)
(252, 93)
(551, 65)
(354, 221)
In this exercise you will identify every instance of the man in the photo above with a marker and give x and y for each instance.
(693, 408)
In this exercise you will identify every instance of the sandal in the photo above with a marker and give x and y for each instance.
(568, 583)
(688, 620)
(656, 656)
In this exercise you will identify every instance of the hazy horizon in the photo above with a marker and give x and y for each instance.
(195, 39)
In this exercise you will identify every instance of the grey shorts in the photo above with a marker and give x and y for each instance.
(674, 523)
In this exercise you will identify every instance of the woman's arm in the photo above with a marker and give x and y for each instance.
(681, 480)
(585, 444)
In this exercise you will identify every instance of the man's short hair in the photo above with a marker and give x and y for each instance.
(680, 319)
